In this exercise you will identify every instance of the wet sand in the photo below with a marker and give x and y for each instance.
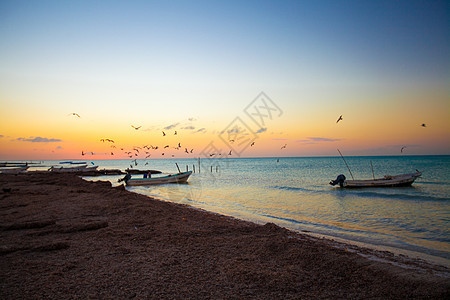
(62, 237)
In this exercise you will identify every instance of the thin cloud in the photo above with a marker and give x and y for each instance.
(171, 126)
(317, 139)
(189, 127)
(201, 130)
(261, 130)
(39, 139)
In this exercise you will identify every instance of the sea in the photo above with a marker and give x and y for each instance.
(294, 192)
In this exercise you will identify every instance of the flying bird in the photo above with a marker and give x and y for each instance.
(164, 134)
(229, 153)
(401, 150)
(423, 125)
(136, 127)
(340, 118)
(75, 114)
(284, 146)
(252, 144)
(175, 133)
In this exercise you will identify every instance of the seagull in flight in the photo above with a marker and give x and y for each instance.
(75, 114)
(339, 119)
(164, 134)
(423, 125)
(136, 127)
(251, 145)
(401, 150)
(284, 146)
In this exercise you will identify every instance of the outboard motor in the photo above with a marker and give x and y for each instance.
(339, 180)
(126, 178)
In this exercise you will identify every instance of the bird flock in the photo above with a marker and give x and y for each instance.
(146, 151)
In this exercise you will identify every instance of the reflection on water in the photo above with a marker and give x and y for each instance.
(294, 193)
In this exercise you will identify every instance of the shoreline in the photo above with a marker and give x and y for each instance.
(65, 236)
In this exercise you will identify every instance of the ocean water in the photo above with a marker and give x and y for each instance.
(294, 193)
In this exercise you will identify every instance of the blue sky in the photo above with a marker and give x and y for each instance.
(164, 61)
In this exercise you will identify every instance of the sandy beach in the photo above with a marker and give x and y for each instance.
(63, 237)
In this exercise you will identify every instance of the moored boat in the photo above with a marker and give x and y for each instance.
(83, 168)
(13, 170)
(172, 178)
(386, 181)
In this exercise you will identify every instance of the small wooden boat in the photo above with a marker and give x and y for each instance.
(173, 178)
(386, 181)
(13, 170)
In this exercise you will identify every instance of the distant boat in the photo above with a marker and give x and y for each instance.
(73, 162)
(173, 178)
(386, 181)
(83, 168)
(13, 170)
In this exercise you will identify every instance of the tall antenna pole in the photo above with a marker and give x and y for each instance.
(346, 164)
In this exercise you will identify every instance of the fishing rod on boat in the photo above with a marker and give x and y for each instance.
(346, 164)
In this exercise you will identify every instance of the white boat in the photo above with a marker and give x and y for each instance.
(386, 181)
(172, 178)
(13, 170)
(83, 168)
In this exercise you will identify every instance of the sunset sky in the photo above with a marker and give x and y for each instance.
(205, 69)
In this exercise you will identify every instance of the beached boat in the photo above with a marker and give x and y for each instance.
(172, 178)
(386, 181)
(13, 170)
(83, 168)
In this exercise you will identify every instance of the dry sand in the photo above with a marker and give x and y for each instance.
(62, 237)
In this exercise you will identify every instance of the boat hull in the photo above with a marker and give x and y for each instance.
(387, 181)
(175, 178)
(13, 170)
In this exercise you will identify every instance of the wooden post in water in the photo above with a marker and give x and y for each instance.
(211, 169)
(193, 168)
(373, 174)
(178, 168)
(217, 167)
(346, 164)
(199, 165)
(187, 168)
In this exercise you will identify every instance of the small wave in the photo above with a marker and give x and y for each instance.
(371, 194)
(434, 182)
(365, 194)
(290, 188)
